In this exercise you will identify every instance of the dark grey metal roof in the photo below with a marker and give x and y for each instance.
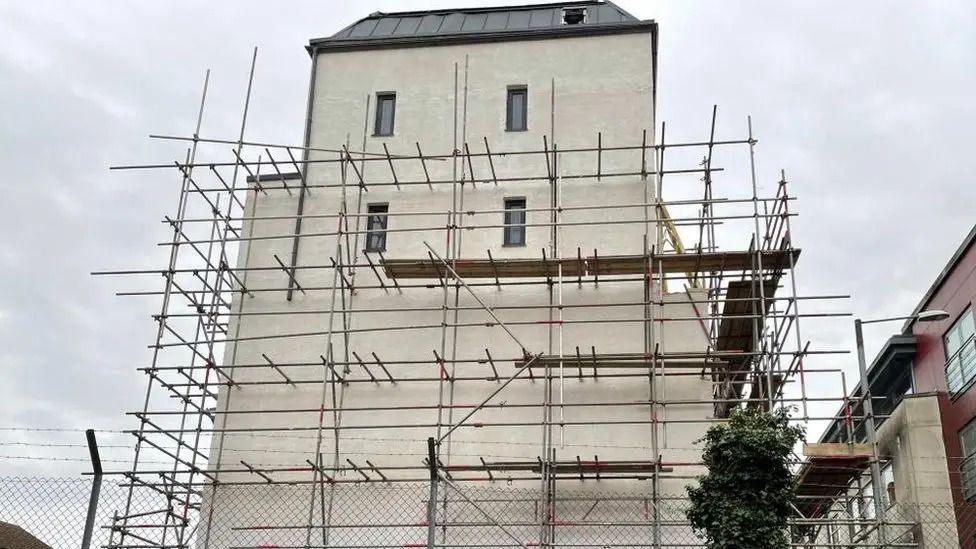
(493, 23)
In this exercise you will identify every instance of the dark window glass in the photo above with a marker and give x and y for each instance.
(385, 113)
(376, 227)
(514, 221)
(960, 349)
(967, 467)
(516, 110)
(574, 16)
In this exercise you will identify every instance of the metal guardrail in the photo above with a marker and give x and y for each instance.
(960, 368)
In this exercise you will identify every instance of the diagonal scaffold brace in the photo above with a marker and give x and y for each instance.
(530, 359)
(480, 509)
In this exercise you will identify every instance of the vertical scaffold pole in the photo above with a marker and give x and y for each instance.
(95, 489)
(867, 408)
(432, 500)
(759, 285)
(215, 461)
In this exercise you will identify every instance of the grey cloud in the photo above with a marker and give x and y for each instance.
(867, 105)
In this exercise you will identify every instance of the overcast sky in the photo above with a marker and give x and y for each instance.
(868, 105)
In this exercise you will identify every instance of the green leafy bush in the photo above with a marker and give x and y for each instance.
(744, 500)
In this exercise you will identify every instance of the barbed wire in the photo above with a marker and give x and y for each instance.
(52, 458)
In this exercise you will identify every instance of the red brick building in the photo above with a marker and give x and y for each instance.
(945, 363)
(927, 364)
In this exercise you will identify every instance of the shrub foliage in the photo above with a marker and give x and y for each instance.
(743, 501)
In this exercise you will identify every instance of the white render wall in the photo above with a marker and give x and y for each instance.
(602, 84)
(912, 437)
(911, 440)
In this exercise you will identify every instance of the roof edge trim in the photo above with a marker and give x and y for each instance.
(939, 280)
(489, 9)
(328, 44)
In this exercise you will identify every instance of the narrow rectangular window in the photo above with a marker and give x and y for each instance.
(960, 350)
(517, 109)
(376, 227)
(514, 222)
(967, 467)
(385, 113)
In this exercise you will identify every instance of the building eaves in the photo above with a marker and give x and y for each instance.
(440, 27)
(961, 251)
(896, 354)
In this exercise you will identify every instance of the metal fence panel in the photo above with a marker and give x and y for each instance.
(379, 515)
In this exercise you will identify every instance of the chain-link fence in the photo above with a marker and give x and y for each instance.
(376, 515)
(54, 510)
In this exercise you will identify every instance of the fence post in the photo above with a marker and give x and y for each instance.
(432, 502)
(96, 487)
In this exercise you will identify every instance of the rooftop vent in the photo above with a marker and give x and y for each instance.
(574, 16)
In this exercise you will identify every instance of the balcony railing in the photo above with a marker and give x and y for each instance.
(960, 369)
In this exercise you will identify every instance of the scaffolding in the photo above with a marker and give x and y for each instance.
(203, 411)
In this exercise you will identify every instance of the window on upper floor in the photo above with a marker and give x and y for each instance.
(960, 349)
(967, 467)
(514, 222)
(385, 113)
(376, 227)
(517, 109)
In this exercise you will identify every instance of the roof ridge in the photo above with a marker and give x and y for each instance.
(491, 22)
(479, 9)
